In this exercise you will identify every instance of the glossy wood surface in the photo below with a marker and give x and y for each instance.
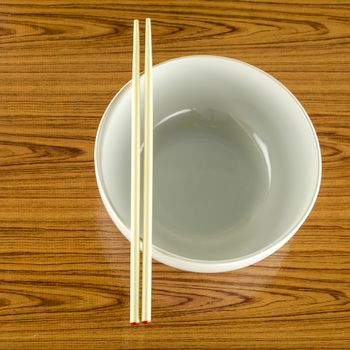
(64, 267)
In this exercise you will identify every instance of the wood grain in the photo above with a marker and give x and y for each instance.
(64, 267)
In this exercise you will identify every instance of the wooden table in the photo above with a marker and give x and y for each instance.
(64, 267)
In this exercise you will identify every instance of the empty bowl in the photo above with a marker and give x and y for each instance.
(237, 163)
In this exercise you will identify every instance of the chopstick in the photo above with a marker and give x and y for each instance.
(148, 181)
(147, 184)
(135, 182)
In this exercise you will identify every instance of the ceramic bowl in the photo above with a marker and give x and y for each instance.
(237, 163)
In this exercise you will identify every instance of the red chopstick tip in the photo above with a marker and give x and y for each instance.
(146, 322)
(134, 323)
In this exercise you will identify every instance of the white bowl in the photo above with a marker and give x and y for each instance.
(237, 163)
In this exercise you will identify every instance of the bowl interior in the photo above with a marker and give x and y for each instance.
(236, 159)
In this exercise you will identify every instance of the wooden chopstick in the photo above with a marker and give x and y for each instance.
(135, 182)
(148, 181)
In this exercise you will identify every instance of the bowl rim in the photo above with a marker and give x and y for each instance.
(198, 265)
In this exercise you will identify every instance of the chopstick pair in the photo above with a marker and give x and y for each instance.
(147, 181)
